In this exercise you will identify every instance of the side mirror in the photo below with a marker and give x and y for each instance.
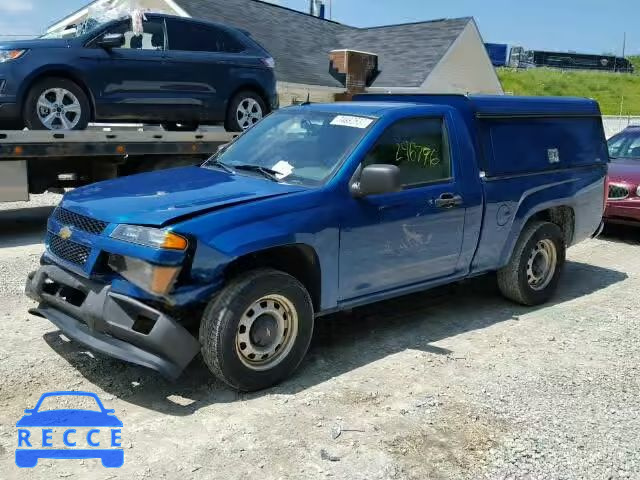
(111, 40)
(376, 179)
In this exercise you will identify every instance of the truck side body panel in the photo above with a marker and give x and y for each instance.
(534, 154)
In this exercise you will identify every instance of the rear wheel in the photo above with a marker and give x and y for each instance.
(532, 274)
(246, 108)
(56, 104)
(257, 330)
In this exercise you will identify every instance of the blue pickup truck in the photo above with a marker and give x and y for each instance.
(316, 209)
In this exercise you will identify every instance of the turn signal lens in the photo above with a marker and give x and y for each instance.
(174, 242)
(8, 55)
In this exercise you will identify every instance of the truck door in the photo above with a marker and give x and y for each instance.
(397, 239)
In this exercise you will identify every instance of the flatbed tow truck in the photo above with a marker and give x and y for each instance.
(38, 161)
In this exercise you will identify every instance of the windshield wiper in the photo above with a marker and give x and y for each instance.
(266, 172)
(218, 163)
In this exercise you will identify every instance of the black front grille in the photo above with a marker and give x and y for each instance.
(79, 221)
(617, 192)
(67, 250)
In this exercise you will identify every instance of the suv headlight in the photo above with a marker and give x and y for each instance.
(638, 191)
(155, 279)
(150, 237)
(8, 55)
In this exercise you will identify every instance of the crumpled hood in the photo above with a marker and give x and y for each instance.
(159, 198)
(625, 171)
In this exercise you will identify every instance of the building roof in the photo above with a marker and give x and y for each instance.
(300, 43)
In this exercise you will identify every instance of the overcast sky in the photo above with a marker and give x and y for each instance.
(595, 26)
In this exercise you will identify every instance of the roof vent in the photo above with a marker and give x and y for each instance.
(316, 8)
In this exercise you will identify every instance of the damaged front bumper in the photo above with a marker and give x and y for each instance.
(111, 323)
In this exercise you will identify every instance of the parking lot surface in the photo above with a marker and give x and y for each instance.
(453, 383)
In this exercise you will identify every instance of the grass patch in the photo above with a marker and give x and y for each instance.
(611, 90)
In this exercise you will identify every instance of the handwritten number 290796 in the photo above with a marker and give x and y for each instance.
(420, 154)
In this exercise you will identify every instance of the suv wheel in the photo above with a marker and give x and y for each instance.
(532, 274)
(256, 331)
(245, 110)
(56, 104)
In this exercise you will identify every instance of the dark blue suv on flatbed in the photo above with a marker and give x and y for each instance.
(178, 72)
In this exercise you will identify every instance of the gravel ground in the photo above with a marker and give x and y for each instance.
(454, 383)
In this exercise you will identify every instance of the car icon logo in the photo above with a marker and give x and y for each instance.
(65, 433)
(65, 233)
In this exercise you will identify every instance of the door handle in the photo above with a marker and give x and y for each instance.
(448, 200)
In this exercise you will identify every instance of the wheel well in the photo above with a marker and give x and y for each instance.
(255, 89)
(562, 216)
(59, 74)
(298, 260)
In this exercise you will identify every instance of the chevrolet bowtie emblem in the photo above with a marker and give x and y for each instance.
(65, 233)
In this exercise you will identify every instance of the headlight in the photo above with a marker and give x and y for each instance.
(8, 55)
(150, 237)
(638, 191)
(154, 279)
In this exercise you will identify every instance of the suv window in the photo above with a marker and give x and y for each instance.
(196, 37)
(152, 37)
(418, 147)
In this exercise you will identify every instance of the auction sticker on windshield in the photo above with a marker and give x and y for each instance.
(351, 121)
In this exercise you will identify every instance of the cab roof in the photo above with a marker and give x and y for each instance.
(496, 105)
(368, 109)
(376, 105)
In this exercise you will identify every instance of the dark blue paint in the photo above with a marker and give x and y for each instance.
(380, 246)
(140, 84)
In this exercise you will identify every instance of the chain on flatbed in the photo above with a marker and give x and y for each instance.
(21, 144)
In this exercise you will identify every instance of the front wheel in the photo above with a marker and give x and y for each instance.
(532, 274)
(245, 110)
(56, 104)
(256, 331)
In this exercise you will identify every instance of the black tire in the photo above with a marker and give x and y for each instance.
(180, 127)
(221, 323)
(231, 123)
(30, 113)
(513, 280)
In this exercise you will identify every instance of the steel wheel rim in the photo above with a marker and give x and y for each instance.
(266, 332)
(249, 113)
(541, 264)
(58, 109)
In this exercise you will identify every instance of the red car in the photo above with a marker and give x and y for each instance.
(623, 203)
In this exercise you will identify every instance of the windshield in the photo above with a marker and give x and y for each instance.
(625, 145)
(76, 30)
(297, 145)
